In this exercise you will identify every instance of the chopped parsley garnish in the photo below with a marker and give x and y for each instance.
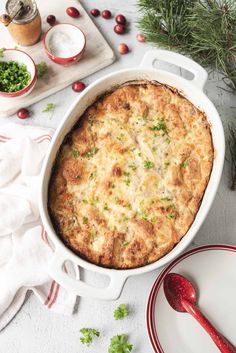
(41, 69)
(184, 164)
(171, 216)
(88, 334)
(126, 173)
(13, 76)
(165, 199)
(121, 312)
(125, 243)
(120, 344)
(127, 182)
(106, 208)
(84, 201)
(166, 165)
(91, 153)
(2, 52)
(93, 175)
(160, 126)
(49, 108)
(148, 164)
(132, 166)
(75, 154)
(113, 186)
(140, 154)
(125, 218)
(85, 220)
(120, 137)
(77, 177)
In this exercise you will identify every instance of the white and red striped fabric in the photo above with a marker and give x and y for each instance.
(24, 246)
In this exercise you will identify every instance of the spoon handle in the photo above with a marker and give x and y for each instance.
(222, 343)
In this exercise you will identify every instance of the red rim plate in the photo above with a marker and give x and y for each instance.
(152, 333)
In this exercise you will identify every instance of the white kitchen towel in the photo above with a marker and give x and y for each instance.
(24, 246)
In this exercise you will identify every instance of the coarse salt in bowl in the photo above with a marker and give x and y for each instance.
(64, 43)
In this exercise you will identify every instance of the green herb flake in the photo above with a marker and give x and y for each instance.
(171, 216)
(2, 52)
(159, 126)
(125, 243)
(85, 220)
(125, 219)
(166, 199)
(92, 175)
(121, 312)
(185, 164)
(91, 153)
(126, 173)
(166, 165)
(77, 177)
(49, 108)
(106, 208)
(132, 166)
(87, 335)
(148, 164)
(120, 344)
(41, 69)
(75, 154)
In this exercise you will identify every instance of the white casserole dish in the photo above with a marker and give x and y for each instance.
(192, 90)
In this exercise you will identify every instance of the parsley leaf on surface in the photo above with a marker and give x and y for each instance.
(121, 311)
(49, 108)
(87, 335)
(41, 69)
(120, 344)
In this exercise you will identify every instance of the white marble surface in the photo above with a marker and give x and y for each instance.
(35, 329)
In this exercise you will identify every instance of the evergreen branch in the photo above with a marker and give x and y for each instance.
(205, 30)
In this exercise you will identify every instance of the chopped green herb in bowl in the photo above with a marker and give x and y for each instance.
(17, 73)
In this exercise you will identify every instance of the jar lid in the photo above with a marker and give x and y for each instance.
(27, 10)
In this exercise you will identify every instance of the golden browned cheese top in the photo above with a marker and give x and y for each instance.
(129, 179)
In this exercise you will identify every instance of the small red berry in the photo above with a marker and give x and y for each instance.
(23, 113)
(106, 14)
(119, 29)
(72, 12)
(121, 19)
(51, 19)
(123, 48)
(95, 12)
(140, 38)
(78, 86)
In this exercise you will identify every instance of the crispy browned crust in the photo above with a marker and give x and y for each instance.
(130, 177)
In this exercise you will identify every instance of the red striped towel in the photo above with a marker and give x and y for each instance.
(25, 250)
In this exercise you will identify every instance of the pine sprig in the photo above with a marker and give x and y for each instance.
(205, 30)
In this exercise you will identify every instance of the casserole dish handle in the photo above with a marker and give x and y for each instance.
(200, 74)
(79, 287)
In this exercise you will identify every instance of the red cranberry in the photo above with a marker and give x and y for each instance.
(72, 12)
(106, 14)
(95, 12)
(140, 37)
(23, 113)
(51, 19)
(123, 48)
(119, 29)
(78, 86)
(121, 19)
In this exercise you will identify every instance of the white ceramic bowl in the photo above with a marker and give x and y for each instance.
(192, 90)
(60, 39)
(22, 58)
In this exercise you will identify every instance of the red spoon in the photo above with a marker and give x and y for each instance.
(182, 297)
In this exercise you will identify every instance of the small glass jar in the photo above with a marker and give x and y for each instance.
(25, 21)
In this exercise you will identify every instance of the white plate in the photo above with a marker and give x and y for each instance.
(212, 270)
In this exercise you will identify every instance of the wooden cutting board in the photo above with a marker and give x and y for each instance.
(98, 54)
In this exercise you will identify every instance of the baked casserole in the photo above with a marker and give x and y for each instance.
(129, 178)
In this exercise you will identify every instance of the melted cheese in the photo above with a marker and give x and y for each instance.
(129, 180)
